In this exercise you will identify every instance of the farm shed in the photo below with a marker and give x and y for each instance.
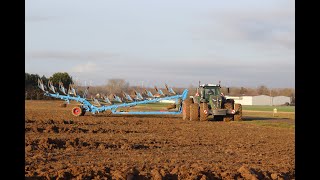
(244, 100)
(261, 100)
(280, 100)
(167, 101)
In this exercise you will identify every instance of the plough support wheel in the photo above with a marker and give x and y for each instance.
(78, 111)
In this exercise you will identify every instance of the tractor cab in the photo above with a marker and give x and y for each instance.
(211, 94)
(209, 90)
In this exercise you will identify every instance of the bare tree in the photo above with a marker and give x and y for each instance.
(263, 90)
(243, 91)
(192, 90)
(287, 92)
(116, 86)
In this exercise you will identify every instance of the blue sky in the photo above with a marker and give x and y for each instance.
(241, 43)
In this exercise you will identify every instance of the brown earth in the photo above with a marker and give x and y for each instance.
(61, 146)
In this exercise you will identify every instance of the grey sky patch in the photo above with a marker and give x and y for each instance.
(268, 32)
(183, 73)
(190, 74)
(258, 25)
(76, 56)
(37, 18)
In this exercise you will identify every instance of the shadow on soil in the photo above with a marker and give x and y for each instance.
(255, 118)
(244, 118)
(134, 116)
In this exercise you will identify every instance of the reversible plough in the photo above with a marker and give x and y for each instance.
(103, 103)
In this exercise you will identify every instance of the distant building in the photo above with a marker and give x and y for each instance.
(279, 100)
(261, 100)
(244, 100)
(168, 101)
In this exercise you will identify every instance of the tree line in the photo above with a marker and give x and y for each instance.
(117, 86)
(32, 91)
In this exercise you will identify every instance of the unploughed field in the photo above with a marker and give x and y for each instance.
(61, 146)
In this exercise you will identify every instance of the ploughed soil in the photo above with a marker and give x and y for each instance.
(61, 146)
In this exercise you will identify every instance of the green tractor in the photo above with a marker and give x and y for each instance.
(211, 103)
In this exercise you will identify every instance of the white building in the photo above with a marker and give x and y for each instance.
(168, 101)
(244, 100)
(261, 100)
(279, 100)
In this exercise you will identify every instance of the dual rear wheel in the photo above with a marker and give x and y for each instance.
(186, 108)
(191, 111)
(195, 112)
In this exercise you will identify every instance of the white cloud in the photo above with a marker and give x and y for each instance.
(89, 67)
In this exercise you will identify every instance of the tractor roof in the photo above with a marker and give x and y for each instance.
(213, 85)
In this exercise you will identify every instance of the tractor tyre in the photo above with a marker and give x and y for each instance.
(204, 112)
(229, 117)
(186, 108)
(77, 111)
(238, 115)
(228, 105)
(229, 101)
(194, 112)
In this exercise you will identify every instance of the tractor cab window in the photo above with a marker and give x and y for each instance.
(213, 91)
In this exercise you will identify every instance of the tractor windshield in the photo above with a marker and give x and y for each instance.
(212, 91)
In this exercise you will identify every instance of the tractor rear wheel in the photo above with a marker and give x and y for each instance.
(77, 111)
(204, 112)
(238, 115)
(186, 108)
(194, 112)
(228, 105)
